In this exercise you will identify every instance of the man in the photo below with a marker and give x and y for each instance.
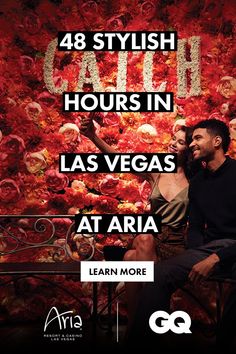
(212, 227)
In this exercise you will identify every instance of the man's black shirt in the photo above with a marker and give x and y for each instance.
(212, 212)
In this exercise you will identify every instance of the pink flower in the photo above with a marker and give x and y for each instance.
(9, 191)
(147, 133)
(56, 181)
(12, 145)
(227, 86)
(73, 211)
(109, 185)
(70, 132)
(232, 128)
(78, 185)
(224, 108)
(111, 118)
(144, 191)
(33, 111)
(35, 161)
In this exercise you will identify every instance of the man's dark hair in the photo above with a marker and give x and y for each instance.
(216, 127)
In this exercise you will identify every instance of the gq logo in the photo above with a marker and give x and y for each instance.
(168, 322)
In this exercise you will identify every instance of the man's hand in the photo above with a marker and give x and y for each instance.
(203, 269)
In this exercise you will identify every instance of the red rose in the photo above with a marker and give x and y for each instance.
(61, 226)
(115, 24)
(9, 191)
(89, 9)
(108, 185)
(129, 191)
(106, 204)
(111, 135)
(12, 145)
(215, 115)
(148, 10)
(25, 286)
(36, 306)
(3, 88)
(47, 99)
(58, 81)
(26, 65)
(143, 207)
(91, 199)
(4, 160)
(56, 181)
(32, 23)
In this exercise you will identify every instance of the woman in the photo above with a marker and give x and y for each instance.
(168, 197)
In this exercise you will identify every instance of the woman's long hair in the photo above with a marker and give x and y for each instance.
(191, 167)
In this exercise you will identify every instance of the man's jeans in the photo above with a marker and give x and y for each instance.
(169, 275)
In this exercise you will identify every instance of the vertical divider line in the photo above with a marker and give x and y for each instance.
(117, 322)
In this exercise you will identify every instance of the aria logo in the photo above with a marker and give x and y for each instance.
(65, 320)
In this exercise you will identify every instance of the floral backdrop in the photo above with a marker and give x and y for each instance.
(34, 130)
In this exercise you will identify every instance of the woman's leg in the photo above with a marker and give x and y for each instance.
(145, 248)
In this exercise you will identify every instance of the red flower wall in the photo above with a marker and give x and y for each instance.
(32, 123)
(34, 130)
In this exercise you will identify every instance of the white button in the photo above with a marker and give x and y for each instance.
(113, 271)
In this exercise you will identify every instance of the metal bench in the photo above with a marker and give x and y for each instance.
(62, 260)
